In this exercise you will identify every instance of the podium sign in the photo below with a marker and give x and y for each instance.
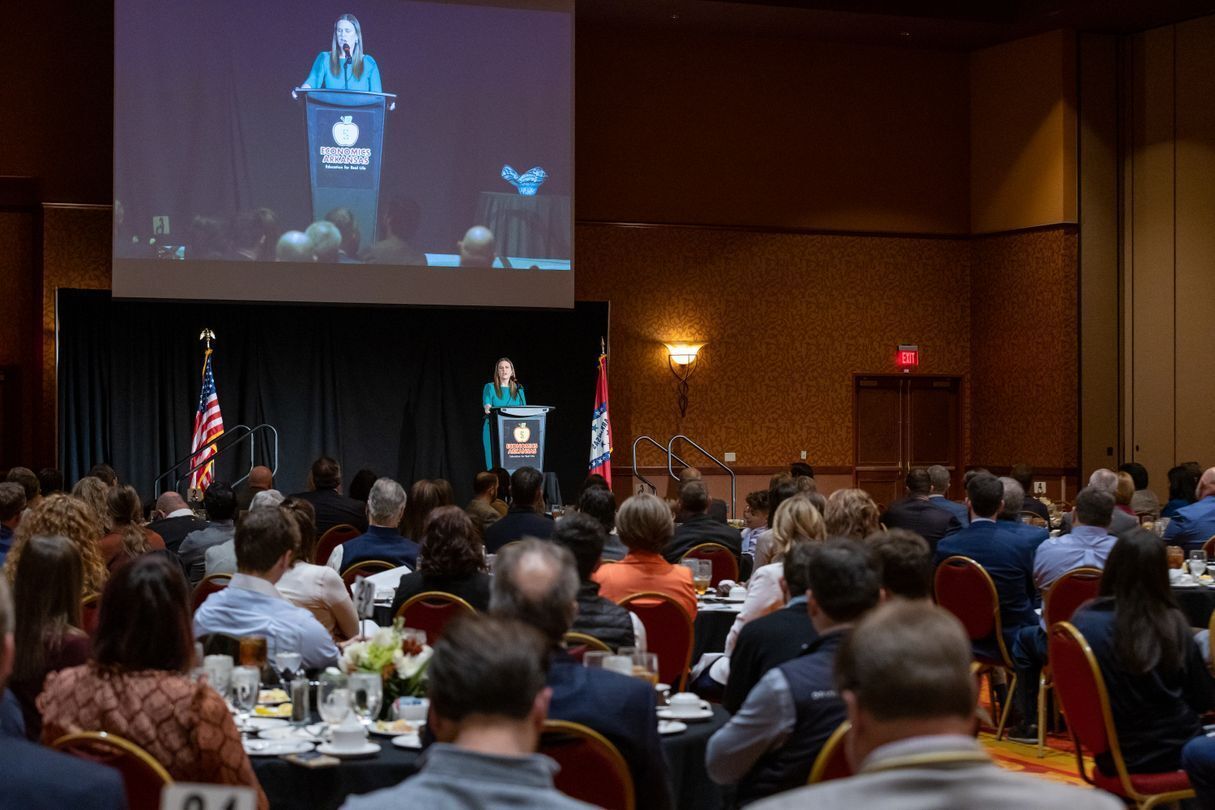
(345, 146)
(519, 436)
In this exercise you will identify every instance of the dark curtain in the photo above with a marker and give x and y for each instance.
(394, 390)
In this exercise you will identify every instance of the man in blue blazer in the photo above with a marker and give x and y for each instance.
(1194, 524)
(938, 496)
(36, 778)
(916, 513)
(536, 582)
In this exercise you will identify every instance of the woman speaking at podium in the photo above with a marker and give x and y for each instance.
(503, 390)
(344, 66)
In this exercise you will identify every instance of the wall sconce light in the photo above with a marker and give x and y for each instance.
(681, 357)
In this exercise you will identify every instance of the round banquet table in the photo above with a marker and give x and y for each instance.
(294, 786)
(1196, 603)
(712, 626)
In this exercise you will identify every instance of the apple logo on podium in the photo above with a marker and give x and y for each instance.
(522, 432)
(345, 131)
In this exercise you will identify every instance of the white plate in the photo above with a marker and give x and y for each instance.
(417, 728)
(366, 750)
(291, 733)
(1185, 585)
(671, 727)
(411, 741)
(705, 712)
(276, 748)
(263, 723)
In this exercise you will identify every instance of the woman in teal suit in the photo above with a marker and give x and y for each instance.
(503, 390)
(344, 66)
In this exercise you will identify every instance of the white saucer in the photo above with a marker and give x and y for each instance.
(671, 727)
(263, 723)
(410, 741)
(289, 733)
(276, 748)
(704, 713)
(1186, 584)
(366, 750)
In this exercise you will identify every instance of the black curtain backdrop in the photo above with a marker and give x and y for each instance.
(395, 390)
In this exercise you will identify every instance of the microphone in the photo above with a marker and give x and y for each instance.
(346, 50)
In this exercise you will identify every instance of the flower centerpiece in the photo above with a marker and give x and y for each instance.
(398, 654)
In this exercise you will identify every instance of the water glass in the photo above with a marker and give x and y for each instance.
(593, 659)
(367, 695)
(287, 663)
(333, 702)
(246, 682)
(218, 669)
(1198, 562)
(645, 666)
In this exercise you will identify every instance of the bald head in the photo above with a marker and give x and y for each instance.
(293, 246)
(261, 478)
(170, 502)
(477, 247)
(536, 582)
(1206, 484)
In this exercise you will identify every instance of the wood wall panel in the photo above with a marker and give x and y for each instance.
(18, 318)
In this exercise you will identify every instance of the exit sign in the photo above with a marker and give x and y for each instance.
(907, 356)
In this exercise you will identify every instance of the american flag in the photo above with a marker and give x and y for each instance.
(208, 425)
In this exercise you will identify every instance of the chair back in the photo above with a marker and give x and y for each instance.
(364, 569)
(1209, 547)
(725, 564)
(1069, 592)
(965, 589)
(1081, 690)
(209, 585)
(90, 613)
(431, 611)
(592, 769)
(832, 761)
(1032, 518)
(142, 776)
(331, 539)
(578, 643)
(668, 629)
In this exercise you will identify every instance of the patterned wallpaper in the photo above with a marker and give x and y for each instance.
(18, 305)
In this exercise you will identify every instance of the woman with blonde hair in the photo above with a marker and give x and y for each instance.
(851, 513)
(128, 537)
(93, 492)
(72, 518)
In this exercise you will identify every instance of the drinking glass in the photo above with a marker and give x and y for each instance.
(1198, 562)
(645, 666)
(333, 701)
(287, 663)
(593, 659)
(218, 669)
(367, 694)
(253, 651)
(1176, 556)
(246, 681)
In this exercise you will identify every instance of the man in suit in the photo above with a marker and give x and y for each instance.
(526, 517)
(904, 677)
(1121, 521)
(536, 582)
(1023, 474)
(332, 507)
(717, 507)
(938, 476)
(383, 540)
(37, 778)
(905, 562)
(697, 526)
(1009, 518)
(173, 520)
(1193, 524)
(916, 512)
(220, 502)
(260, 479)
(772, 640)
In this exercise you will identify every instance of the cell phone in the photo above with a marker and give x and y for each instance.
(311, 759)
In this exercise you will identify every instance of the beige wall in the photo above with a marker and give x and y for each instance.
(1022, 134)
(1169, 249)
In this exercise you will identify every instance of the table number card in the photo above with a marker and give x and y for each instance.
(187, 796)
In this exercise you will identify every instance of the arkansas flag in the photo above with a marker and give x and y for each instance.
(208, 426)
(601, 426)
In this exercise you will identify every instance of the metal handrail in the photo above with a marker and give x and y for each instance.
(666, 451)
(233, 436)
(710, 457)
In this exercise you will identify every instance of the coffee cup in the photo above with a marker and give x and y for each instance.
(738, 592)
(685, 704)
(350, 735)
(413, 709)
(1175, 575)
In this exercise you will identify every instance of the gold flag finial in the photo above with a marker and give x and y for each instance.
(207, 335)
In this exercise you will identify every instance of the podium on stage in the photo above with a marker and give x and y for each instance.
(345, 146)
(518, 435)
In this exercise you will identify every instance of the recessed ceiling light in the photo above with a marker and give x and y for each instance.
(904, 33)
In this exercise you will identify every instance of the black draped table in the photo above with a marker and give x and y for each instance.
(712, 626)
(1197, 603)
(535, 227)
(292, 786)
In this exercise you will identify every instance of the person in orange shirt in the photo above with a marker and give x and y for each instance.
(645, 527)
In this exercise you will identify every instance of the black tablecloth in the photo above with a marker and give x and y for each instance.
(710, 631)
(292, 786)
(528, 227)
(1197, 604)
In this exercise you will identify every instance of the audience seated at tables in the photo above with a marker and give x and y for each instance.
(220, 503)
(361, 483)
(1192, 525)
(35, 777)
(770, 744)
(91, 491)
(261, 479)
(104, 473)
(1023, 474)
(325, 495)
(904, 675)
(1182, 486)
(1124, 492)
(399, 223)
(70, 517)
(1144, 501)
(597, 616)
(526, 517)
(536, 582)
(138, 684)
(1157, 682)
(775, 638)
(251, 606)
(1108, 481)
(1009, 516)
(1002, 550)
(717, 509)
(128, 537)
(12, 504)
(938, 495)
(451, 560)
(28, 481)
(382, 540)
(697, 526)
(850, 513)
(1088, 545)
(755, 519)
(598, 501)
(781, 487)
(173, 519)
(50, 481)
(221, 559)
(488, 705)
(425, 496)
(904, 561)
(645, 526)
(316, 588)
(480, 508)
(46, 591)
(917, 513)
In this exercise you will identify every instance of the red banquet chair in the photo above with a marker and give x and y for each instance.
(431, 611)
(90, 613)
(592, 770)
(1081, 690)
(142, 776)
(725, 564)
(832, 760)
(668, 630)
(1065, 594)
(331, 539)
(208, 586)
(965, 589)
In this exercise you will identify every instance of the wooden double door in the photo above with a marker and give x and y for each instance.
(904, 421)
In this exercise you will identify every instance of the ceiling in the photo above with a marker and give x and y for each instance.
(932, 24)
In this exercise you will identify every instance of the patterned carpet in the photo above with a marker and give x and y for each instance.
(1059, 764)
